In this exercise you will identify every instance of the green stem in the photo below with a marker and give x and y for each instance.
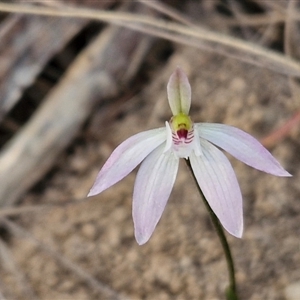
(231, 293)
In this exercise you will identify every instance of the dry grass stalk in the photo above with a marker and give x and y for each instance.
(197, 37)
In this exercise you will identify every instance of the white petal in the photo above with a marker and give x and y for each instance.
(126, 157)
(219, 185)
(242, 146)
(152, 188)
(179, 92)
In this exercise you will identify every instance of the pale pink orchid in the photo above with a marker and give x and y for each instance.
(160, 149)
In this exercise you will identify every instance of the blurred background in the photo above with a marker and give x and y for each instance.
(72, 89)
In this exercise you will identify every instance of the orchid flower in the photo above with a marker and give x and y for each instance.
(160, 149)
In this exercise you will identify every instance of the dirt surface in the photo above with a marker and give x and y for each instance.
(183, 259)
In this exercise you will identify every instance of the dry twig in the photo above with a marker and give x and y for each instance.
(199, 37)
(168, 11)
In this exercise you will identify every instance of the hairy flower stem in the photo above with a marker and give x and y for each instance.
(231, 293)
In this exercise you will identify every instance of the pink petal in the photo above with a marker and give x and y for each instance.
(242, 146)
(219, 185)
(152, 188)
(179, 92)
(126, 157)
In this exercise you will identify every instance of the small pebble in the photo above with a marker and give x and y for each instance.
(292, 291)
